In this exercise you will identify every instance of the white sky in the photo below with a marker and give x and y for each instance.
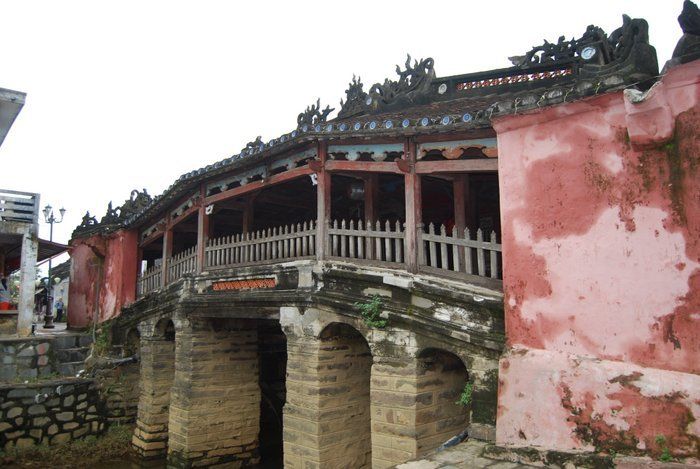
(131, 94)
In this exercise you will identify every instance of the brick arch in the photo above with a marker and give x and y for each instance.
(441, 377)
(132, 341)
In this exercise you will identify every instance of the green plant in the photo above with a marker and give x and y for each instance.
(465, 399)
(103, 339)
(665, 451)
(371, 312)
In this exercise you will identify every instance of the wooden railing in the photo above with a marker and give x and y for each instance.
(375, 242)
(182, 263)
(272, 245)
(19, 206)
(149, 281)
(458, 253)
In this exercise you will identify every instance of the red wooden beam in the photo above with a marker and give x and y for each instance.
(183, 216)
(153, 236)
(484, 133)
(257, 185)
(457, 166)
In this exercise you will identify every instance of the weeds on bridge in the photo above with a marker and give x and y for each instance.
(465, 399)
(371, 312)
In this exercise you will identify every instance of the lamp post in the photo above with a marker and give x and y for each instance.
(50, 219)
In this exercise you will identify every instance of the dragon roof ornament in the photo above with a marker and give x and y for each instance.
(413, 83)
(252, 147)
(412, 87)
(115, 217)
(594, 47)
(356, 99)
(313, 115)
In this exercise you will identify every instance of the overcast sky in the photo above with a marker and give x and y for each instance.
(131, 94)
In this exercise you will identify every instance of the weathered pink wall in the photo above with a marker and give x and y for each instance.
(109, 262)
(600, 207)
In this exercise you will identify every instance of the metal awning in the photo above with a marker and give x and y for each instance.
(47, 250)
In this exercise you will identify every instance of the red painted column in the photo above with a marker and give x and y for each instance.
(167, 251)
(460, 186)
(413, 209)
(323, 204)
(371, 192)
(202, 232)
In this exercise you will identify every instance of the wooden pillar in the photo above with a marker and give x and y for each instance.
(323, 204)
(248, 210)
(413, 209)
(371, 194)
(202, 233)
(167, 250)
(460, 189)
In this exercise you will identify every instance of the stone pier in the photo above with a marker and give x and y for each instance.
(327, 415)
(150, 438)
(215, 401)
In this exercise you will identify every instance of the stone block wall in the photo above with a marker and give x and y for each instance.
(157, 370)
(215, 400)
(120, 390)
(49, 414)
(327, 415)
(26, 359)
(394, 400)
(440, 382)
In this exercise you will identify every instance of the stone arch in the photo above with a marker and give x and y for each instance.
(132, 342)
(441, 379)
(345, 368)
(164, 330)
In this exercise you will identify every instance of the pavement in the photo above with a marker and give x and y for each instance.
(469, 455)
(463, 455)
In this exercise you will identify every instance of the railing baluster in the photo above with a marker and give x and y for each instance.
(387, 243)
(398, 244)
(360, 240)
(377, 241)
(469, 265)
(431, 244)
(480, 260)
(494, 256)
(351, 240)
(455, 249)
(443, 248)
(343, 240)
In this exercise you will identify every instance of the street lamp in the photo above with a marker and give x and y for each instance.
(50, 219)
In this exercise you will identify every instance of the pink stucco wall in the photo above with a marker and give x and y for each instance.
(104, 266)
(600, 207)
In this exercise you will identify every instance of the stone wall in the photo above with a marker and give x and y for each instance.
(120, 391)
(600, 206)
(49, 414)
(26, 359)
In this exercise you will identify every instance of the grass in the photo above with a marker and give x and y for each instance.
(86, 452)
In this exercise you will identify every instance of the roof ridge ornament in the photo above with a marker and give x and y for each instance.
(688, 46)
(356, 99)
(412, 86)
(252, 147)
(594, 47)
(313, 115)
